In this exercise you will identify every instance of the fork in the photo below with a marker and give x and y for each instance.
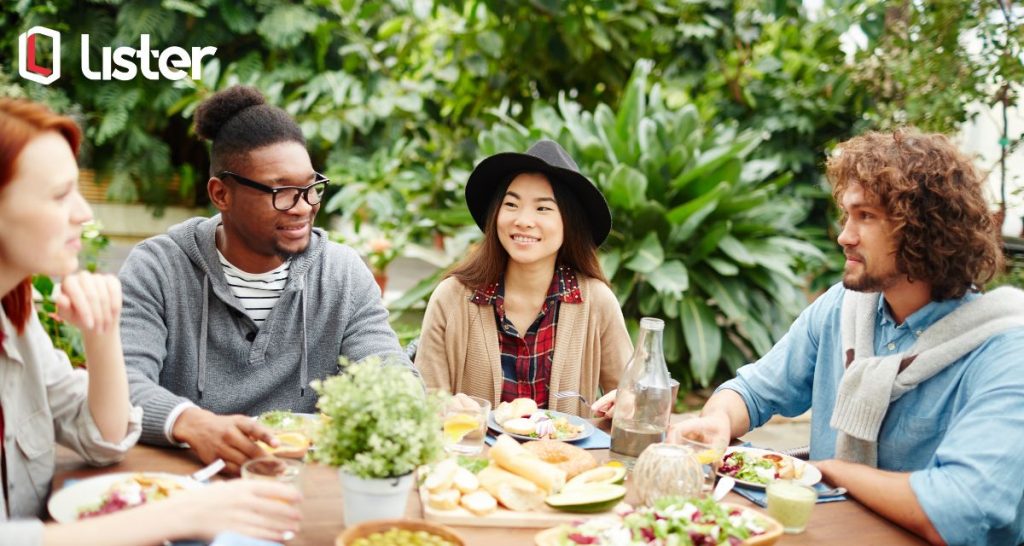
(572, 394)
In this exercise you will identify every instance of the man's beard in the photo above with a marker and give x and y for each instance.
(870, 283)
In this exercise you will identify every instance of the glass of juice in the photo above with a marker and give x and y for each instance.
(465, 424)
(791, 503)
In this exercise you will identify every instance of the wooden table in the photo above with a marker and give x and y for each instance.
(831, 523)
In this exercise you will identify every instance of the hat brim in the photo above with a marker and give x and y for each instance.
(498, 168)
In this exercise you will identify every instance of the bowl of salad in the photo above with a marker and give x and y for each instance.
(671, 521)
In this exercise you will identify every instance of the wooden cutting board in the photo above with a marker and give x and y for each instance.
(503, 517)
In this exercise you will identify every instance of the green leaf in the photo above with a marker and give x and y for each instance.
(709, 241)
(722, 267)
(330, 129)
(734, 249)
(703, 338)
(238, 17)
(627, 187)
(672, 343)
(671, 279)
(610, 260)
(727, 293)
(648, 299)
(286, 25)
(648, 257)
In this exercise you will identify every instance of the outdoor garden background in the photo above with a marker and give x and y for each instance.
(705, 122)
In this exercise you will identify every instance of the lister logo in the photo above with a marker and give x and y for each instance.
(121, 63)
(27, 65)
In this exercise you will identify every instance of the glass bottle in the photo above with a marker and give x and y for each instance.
(643, 403)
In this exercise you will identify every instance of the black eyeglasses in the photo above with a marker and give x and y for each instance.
(286, 197)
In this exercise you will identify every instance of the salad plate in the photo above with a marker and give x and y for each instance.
(680, 521)
(574, 420)
(755, 468)
(97, 493)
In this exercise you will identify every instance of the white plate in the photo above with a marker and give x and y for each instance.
(65, 504)
(810, 473)
(588, 428)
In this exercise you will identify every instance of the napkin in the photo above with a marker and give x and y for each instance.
(760, 498)
(598, 440)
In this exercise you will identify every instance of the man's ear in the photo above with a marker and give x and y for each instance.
(220, 193)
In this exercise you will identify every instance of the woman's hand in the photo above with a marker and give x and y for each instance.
(91, 302)
(256, 508)
(604, 406)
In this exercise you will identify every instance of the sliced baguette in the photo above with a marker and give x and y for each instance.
(514, 492)
(520, 461)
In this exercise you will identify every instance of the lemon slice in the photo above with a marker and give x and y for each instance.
(708, 456)
(457, 426)
(292, 444)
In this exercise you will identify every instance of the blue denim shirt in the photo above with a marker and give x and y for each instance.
(960, 433)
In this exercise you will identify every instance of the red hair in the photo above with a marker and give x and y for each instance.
(20, 122)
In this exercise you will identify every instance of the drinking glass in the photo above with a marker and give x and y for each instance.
(288, 471)
(791, 503)
(465, 424)
(709, 455)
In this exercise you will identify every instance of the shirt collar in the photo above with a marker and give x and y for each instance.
(923, 318)
(564, 287)
(8, 334)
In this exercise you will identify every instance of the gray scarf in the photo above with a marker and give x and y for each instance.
(870, 383)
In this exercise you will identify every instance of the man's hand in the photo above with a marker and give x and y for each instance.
(712, 429)
(229, 437)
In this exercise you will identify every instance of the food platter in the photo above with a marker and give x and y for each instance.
(574, 420)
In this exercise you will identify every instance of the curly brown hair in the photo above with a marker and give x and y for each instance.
(932, 196)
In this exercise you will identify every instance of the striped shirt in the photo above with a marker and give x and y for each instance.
(526, 360)
(258, 292)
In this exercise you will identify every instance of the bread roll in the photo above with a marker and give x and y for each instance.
(442, 476)
(520, 425)
(514, 492)
(444, 500)
(480, 503)
(520, 407)
(517, 459)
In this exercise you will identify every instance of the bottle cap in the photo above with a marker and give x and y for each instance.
(651, 323)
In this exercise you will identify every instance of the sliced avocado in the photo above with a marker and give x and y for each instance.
(593, 497)
(601, 474)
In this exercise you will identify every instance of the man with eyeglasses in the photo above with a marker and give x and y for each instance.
(231, 316)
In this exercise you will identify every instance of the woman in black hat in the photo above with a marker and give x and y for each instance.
(529, 313)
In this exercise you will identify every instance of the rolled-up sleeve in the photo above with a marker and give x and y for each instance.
(972, 488)
(28, 532)
(73, 423)
(781, 382)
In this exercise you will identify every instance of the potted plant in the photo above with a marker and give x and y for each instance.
(380, 426)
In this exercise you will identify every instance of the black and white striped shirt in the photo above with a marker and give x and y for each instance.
(258, 292)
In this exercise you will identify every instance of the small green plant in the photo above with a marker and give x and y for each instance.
(380, 421)
(65, 337)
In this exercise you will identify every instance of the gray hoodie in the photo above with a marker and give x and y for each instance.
(187, 338)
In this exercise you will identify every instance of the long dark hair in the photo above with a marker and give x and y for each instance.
(20, 122)
(486, 264)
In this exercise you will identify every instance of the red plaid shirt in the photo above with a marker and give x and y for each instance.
(526, 360)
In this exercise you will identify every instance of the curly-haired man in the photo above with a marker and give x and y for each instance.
(915, 377)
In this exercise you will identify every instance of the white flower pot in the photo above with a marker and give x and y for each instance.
(376, 498)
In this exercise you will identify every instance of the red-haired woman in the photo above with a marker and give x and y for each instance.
(529, 313)
(44, 401)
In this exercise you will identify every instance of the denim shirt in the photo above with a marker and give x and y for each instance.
(44, 403)
(960, 433)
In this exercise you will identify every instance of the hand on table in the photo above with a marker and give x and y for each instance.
(255, 508)
(229, 437)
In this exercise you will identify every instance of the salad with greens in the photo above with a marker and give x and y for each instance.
(672, 521)
(748, 467)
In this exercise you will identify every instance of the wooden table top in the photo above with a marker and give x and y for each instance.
(840, 523)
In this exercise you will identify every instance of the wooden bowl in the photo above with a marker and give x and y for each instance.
(368, 528)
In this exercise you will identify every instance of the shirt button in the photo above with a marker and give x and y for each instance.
(250, 336)
(891, 346)
(918, 332)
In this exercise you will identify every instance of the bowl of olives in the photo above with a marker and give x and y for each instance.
(398, 532)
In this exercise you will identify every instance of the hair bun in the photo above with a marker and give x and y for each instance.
(217, 110)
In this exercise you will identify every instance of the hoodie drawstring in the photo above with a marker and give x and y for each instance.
(304, 371)
(201, 379)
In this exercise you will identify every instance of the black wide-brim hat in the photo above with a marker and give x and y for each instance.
(546, 157)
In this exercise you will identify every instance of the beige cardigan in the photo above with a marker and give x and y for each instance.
(458, 347)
